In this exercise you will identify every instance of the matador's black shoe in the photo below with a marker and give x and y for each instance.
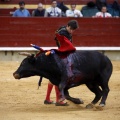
(48, 102)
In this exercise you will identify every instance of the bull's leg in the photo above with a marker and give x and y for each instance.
(62, 86)
(105, 76)
(62, 66)
(105, 93)
(98, 93)
(74, 100)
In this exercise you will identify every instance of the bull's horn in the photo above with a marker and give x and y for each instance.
(25, 53)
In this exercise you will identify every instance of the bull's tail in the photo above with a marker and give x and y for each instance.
(39, 82)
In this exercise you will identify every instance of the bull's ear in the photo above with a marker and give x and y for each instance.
(32, 59)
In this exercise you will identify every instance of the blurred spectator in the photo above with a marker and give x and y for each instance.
(62, 7)
(73, 12)
(40, 11)
(100, 3)
(21, 12)
(114, 9)
(53, 11)
(89, 10)
(103, 13)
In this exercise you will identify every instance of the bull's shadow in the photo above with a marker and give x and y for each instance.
(40, 108)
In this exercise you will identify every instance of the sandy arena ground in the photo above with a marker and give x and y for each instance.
(20, 99)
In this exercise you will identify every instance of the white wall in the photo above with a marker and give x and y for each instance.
(14, 56)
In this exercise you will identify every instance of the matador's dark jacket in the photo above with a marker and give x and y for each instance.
(63, 31)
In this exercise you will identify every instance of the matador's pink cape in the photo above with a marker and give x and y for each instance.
(65, 44)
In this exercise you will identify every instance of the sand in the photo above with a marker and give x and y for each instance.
(21, 100)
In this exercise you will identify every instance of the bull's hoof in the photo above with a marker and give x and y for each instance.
(102, 105)
(61, 104)
(90, 106)
(81, 101)
(78, 101)
(61, 99)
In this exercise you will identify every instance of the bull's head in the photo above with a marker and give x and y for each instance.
(27, 67)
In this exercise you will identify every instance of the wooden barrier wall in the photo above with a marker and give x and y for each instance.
(19, 32)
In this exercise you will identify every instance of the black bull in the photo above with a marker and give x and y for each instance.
(91, 68)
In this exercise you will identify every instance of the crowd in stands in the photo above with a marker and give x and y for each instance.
(100, 8)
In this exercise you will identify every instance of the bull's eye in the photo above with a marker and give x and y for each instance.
(31, 59)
